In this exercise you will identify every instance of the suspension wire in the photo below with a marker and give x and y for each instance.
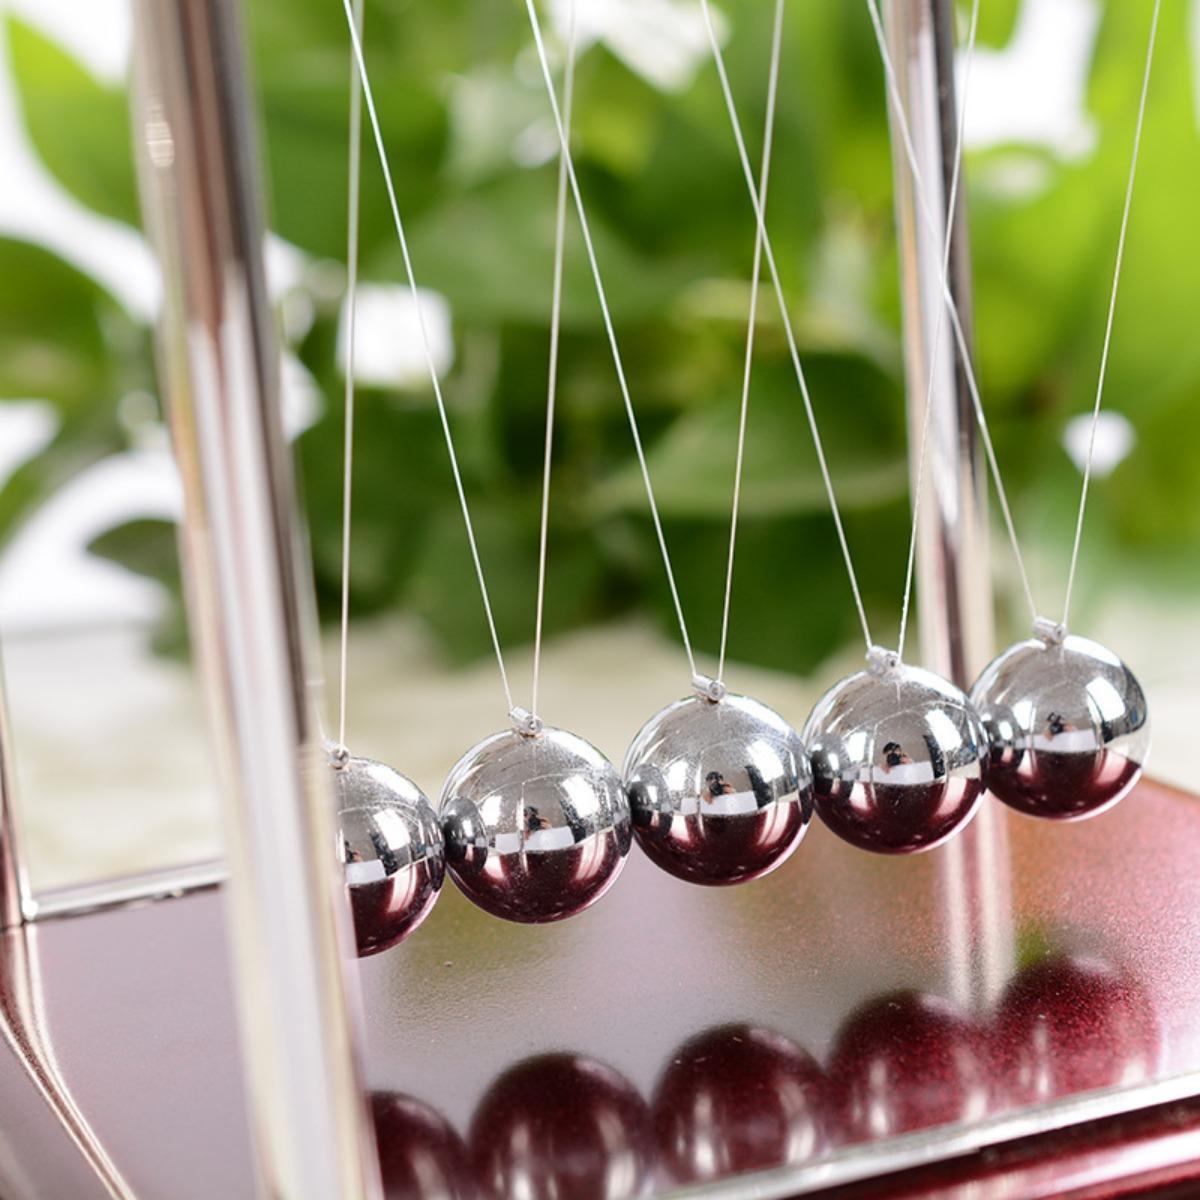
(560, 222)
(601, 294)
(354, 189)
(951, 215)
(764, 177)
(381, 150)
(960, 338)
(1112, 309)
(781, 299)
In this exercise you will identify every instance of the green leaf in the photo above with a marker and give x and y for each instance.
(79, 126)
(997, 21)
(401, 478)
(446, 593)
(491, 251)
(63, 339)
(53, 318)
(692, 466)
(150, 547)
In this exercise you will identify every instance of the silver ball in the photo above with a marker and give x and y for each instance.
(720, 792)
(897, 758)
(1068, 727)
(536, 827)
(391, 849)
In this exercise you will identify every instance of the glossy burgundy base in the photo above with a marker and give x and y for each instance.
(846, 1002)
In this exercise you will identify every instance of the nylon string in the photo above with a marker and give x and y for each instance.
(764, 177)
(598, 280)
(560, 220)
(1112, 309)
(964, 351)
(352, 209)
(781, 299)
(373, 118)
(951, 215)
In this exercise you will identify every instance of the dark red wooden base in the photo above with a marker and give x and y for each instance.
(1019, 1010)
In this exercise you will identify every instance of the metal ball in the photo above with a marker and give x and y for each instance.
(536, 827)
(897, 759)
(1068, 727)
(719, 792)
(391, 849)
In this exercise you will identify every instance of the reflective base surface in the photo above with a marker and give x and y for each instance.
(871, 1021)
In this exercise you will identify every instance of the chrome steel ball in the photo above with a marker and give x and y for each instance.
(1067, 723)
(897, 757)
(720, 791)
(536, 826)
(391, 849)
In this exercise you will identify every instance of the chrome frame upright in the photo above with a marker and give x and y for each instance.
(250, 605)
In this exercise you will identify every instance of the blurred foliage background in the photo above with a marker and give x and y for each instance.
(466, 126)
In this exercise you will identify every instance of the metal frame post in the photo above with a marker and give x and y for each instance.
(249, 605)
(16, 903)
(953, 572)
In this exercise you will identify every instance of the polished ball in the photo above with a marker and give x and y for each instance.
(1068, 727)
(391, 849)
(720, 792)
(897, 759)
(536, 827)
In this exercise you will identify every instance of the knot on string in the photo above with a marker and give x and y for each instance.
(1053, 633)
(881, 661)
(525, 723)
(707, 688)
(339, 756)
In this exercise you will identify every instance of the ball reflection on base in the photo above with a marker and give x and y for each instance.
(1072, 1024)
(738, 1099)
(897, 758)
(905, 1062)
(421, 1157)
(720, 792)
(1068, 727)
(536, 827)
(561, 1127)
(391, 849)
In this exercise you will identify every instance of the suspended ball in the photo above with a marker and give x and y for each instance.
(391, 849)
(536, 827)
(1068, 727)
(720, 792)
(898, 758)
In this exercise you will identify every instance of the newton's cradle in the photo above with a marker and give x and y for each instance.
(1015, 1012)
